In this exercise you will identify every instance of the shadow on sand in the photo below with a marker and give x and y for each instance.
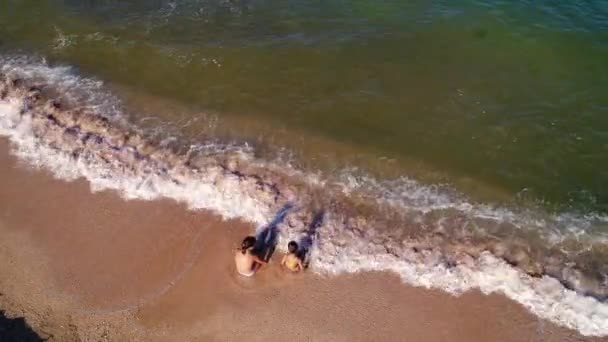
(309, 238)
(16, 329)
(267, 238)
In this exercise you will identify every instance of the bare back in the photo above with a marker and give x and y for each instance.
(246, 263)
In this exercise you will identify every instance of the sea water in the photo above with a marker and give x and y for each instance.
(458, 144)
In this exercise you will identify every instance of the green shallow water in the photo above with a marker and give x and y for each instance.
(512, 94)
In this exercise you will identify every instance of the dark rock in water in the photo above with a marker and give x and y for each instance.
(143, 147)
(70, 136)
(3, 90)
(534, 269)
(76, 153)
(17, 82)
(55, 104)
(116, 136)
(93, 124)
(70, 118)
(572, 277)
(52, 119)
(34, 96)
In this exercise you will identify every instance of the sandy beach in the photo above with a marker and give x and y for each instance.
(82, 266)
(438, 163)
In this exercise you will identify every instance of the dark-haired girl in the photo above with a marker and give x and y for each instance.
(247, 263)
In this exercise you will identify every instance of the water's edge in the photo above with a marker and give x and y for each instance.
(68, 124)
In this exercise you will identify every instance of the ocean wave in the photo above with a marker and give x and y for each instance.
(429, 235)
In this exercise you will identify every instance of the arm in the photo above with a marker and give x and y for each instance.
(258, 260)
(283, 260)
(300, 265)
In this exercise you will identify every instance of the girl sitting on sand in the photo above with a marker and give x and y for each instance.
(247, 263)
(292, 261)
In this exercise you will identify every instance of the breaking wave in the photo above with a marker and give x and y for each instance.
(430, 235)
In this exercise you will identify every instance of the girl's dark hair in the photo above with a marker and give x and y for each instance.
(247, 243)
(292, 246)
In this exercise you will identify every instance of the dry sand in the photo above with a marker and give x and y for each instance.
(94, 267)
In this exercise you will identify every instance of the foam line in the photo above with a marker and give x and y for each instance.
(429, 235)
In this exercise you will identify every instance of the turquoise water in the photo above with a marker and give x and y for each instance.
(508, 95)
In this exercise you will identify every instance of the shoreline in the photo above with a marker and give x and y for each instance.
(159, 280)
(355, 235)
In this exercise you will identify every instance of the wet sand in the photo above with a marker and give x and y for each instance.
(83, 266)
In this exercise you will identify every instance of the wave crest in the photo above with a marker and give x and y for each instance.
(429, 235)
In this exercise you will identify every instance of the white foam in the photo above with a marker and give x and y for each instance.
(545, 297)
(410, 196)
(335, 250)
(224, 197)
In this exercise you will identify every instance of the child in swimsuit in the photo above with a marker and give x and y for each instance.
(247, 263)
(291, 261)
